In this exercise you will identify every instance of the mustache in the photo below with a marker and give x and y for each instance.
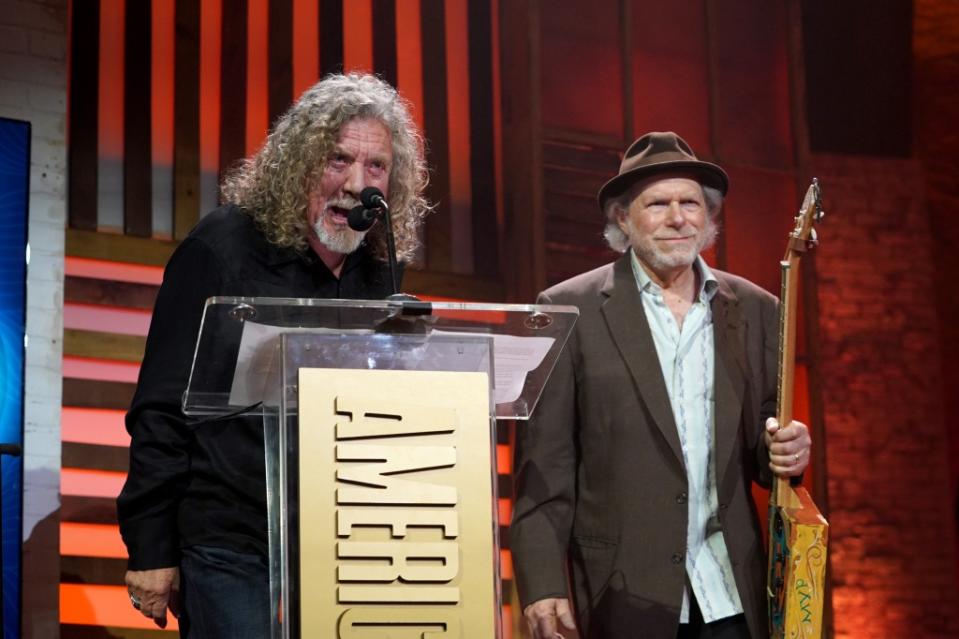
(343, 203)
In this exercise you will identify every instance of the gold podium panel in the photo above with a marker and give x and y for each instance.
(397, 511)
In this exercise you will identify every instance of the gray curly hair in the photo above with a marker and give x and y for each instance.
(619, 241)
(273, 186)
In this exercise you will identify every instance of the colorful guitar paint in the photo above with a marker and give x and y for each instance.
(798, 532)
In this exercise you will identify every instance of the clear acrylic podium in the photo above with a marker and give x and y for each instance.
(398, 381)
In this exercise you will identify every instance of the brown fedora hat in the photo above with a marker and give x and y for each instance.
(661, 152)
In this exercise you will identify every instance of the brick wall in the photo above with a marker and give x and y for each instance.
(935, 69)
(892, 532)
(33, 73)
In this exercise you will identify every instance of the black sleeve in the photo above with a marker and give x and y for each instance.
(160, 446)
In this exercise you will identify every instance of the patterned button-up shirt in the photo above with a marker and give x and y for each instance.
(687, 358)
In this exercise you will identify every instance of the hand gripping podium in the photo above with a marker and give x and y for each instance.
(379, 436)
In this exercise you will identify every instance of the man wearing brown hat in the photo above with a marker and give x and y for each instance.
(633, 477)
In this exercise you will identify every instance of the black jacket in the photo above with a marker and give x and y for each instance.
(205, 485)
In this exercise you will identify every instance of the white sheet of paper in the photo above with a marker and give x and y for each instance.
(513, 358)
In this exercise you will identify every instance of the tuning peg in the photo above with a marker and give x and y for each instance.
(813, 240)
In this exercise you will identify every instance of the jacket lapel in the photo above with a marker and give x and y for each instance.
(626, 319)
(729, 328)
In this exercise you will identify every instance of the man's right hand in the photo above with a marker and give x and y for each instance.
(155, 591)
(542, 616)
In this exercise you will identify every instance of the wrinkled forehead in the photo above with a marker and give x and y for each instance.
(369, 132)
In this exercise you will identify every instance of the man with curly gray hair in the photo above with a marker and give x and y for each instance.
(193, 510)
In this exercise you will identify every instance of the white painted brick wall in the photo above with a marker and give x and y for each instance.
(33, 87)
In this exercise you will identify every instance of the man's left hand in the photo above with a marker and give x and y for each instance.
(789, 447)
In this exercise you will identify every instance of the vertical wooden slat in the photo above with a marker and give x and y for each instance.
(280, 45)
(137, 102)
(84, 91)
(331, 37)
(436, 125)
(409, 55)
(110, 113)
(306, 45)
(358, 36)
(257, 74)
(162, 67)
(482, 174)
(233, 84)
(523, 213)
(384, 40)
(211, 27)
(186, 109)
(458, 126)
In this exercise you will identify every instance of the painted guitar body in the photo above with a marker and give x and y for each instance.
(797, 567)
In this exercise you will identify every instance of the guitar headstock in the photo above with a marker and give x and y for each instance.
(803, 235)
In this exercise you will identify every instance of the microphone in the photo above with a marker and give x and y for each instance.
(373, 204)
(361, 218)
(372, 198)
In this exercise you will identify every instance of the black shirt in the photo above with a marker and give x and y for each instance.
(205, 485)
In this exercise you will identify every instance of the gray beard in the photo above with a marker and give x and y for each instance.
(659, 261)
(346, 241)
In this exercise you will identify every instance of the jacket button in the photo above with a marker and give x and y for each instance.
(677, 558)
(681, 498)
(722, 506)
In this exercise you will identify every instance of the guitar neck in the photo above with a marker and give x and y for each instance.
(787, 358)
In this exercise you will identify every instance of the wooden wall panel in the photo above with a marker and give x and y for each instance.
(331, 37)
(523, 221)
(280, 58)
(92, 291)
(384, 40)
(83, 130)
(438, 235)
(233, 84)
(669, 52)
(88, 510)
(125, 348)
(582, 85)
(482, 136)
(186, 109)
(96, 394)
(751, 100)
(91, 570)
(137, 123)
(94, 457)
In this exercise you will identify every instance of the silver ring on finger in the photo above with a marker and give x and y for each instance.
(135, 601)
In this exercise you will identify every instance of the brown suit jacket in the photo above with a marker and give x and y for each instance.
(600, 482)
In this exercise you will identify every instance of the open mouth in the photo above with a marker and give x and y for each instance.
(338, 214)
